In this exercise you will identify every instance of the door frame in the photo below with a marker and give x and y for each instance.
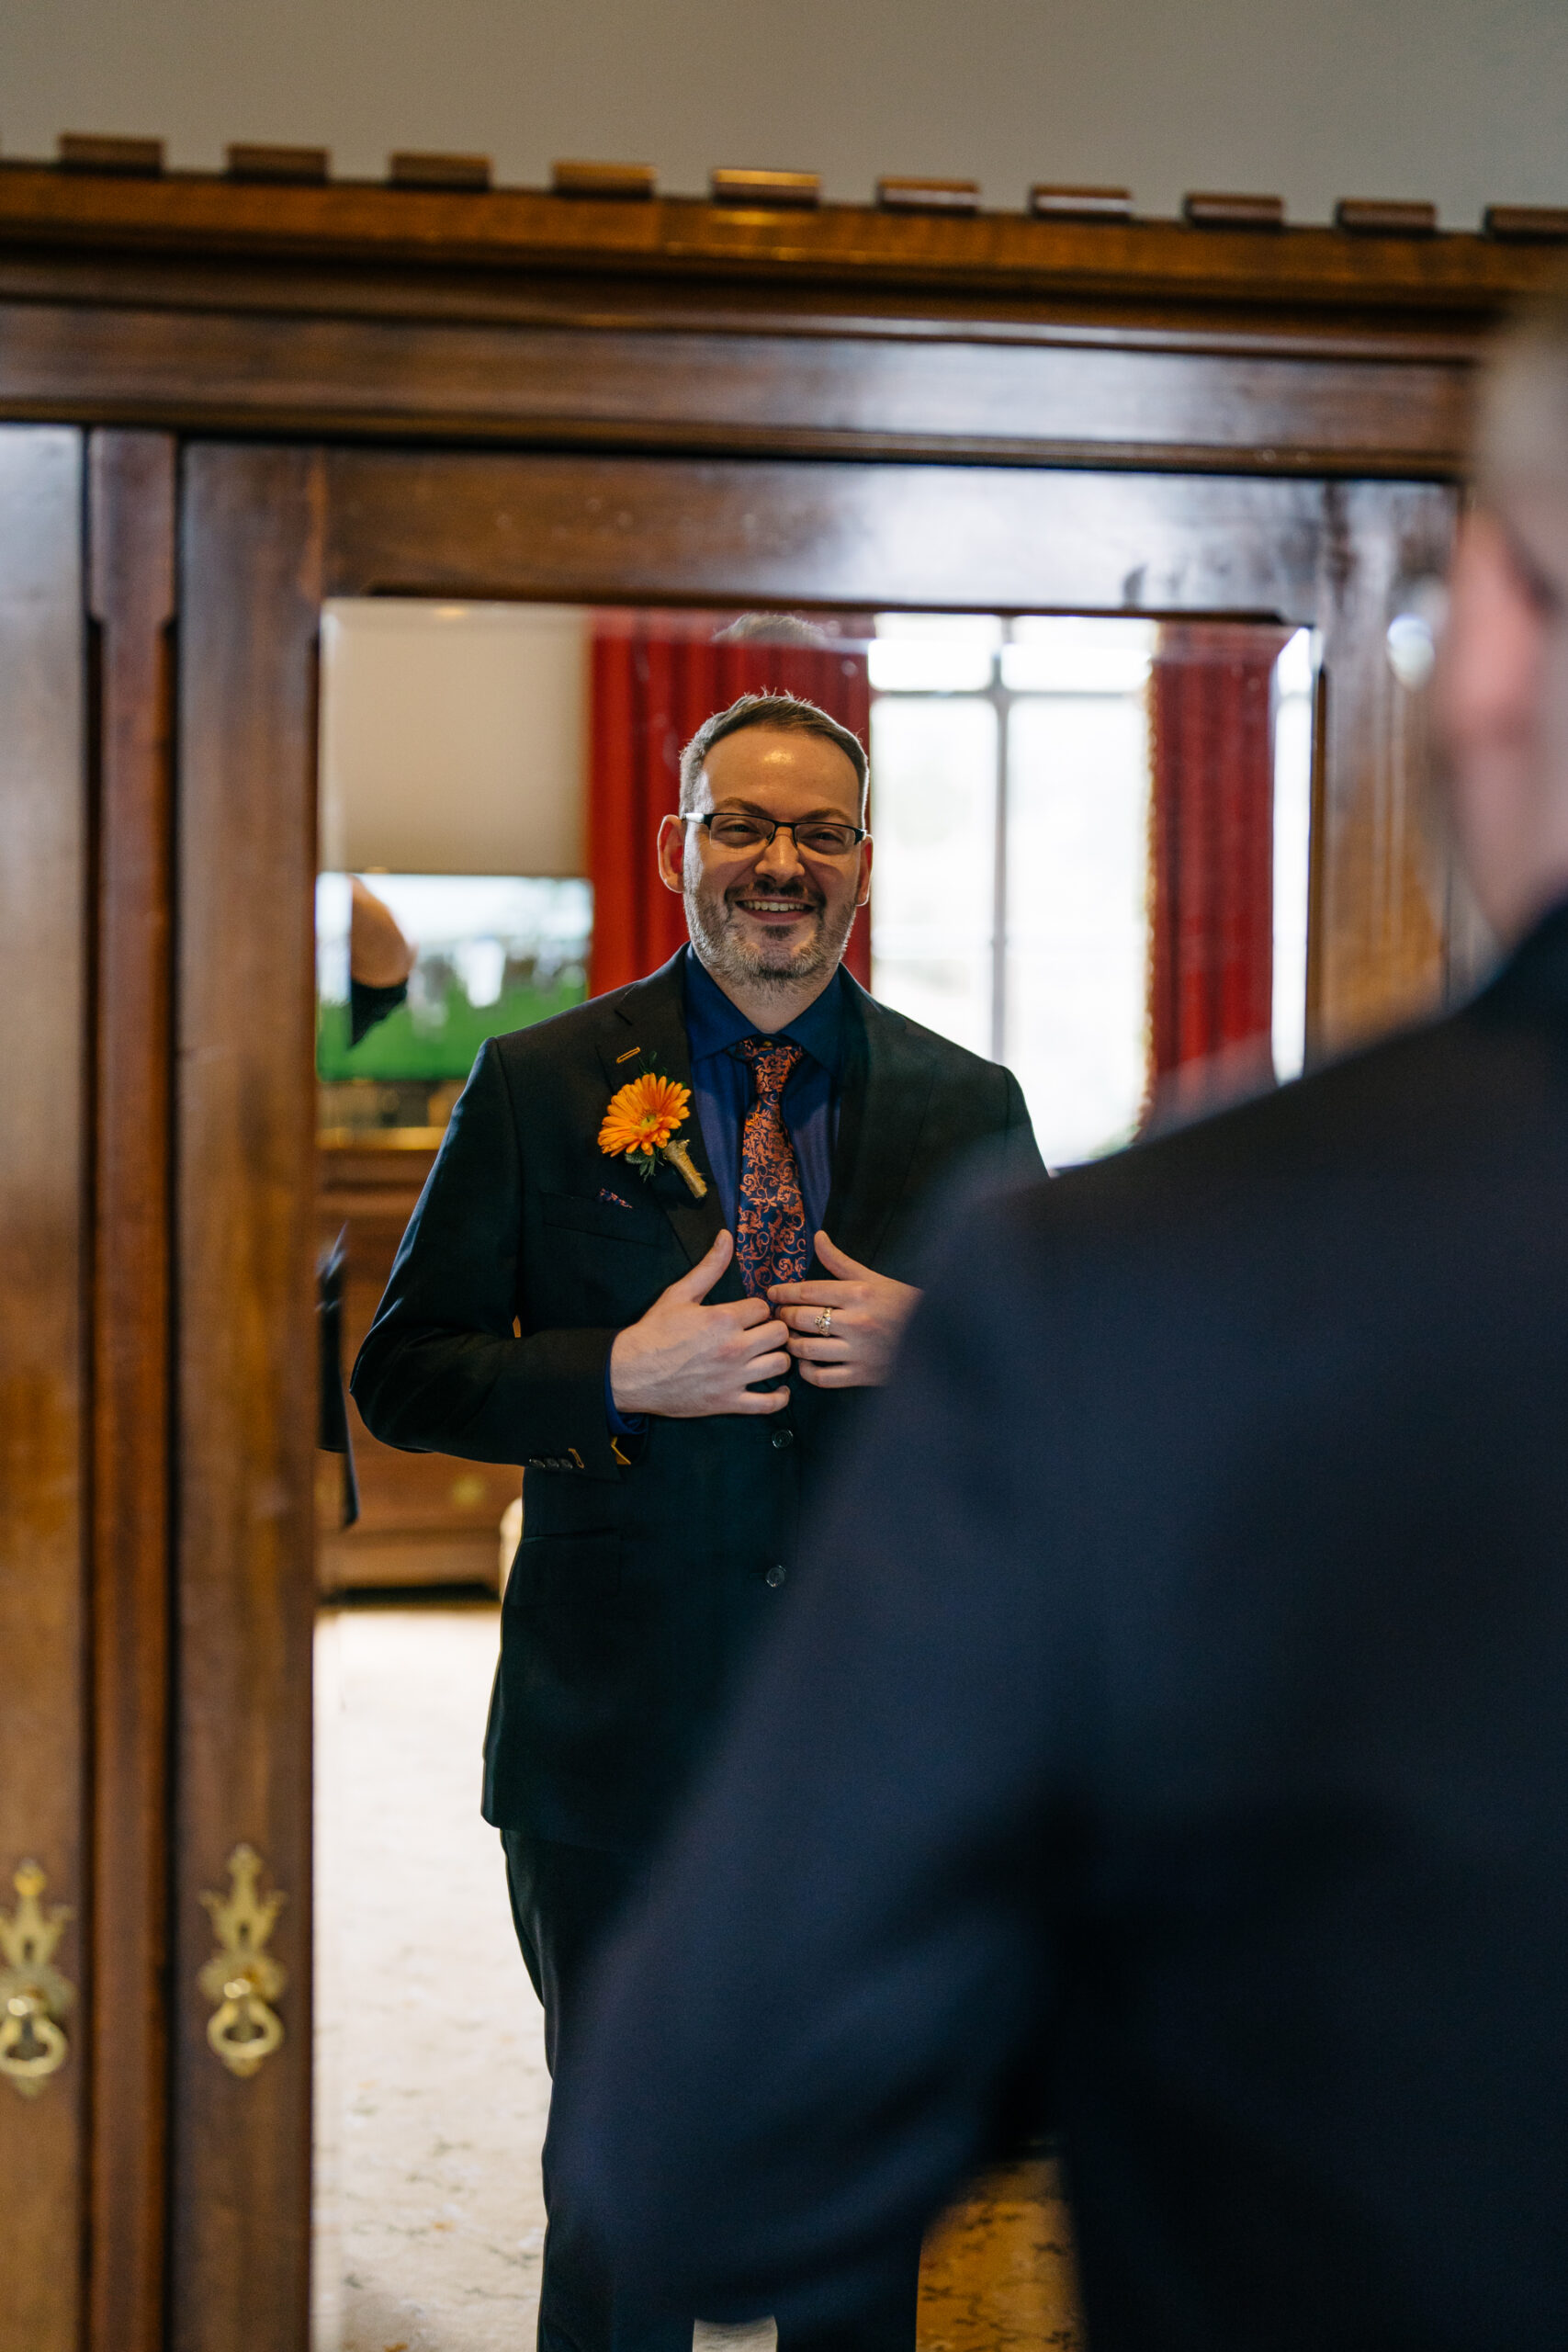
(269, 531)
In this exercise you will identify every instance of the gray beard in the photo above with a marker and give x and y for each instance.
(722, 954)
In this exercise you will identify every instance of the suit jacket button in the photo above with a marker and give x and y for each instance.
(777, 1573)
(782, 1438)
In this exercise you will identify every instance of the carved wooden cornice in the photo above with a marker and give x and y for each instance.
(274, 298)
(1159, 274)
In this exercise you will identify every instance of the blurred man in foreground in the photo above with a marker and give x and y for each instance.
(1172, 1737)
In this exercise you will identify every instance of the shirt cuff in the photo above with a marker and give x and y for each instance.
(621, 1424)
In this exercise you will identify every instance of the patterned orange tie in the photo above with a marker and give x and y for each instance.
(771, 1241)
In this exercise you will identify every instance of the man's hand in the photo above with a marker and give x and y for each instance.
(684, 1358)
(378, 955)
(866, 1314)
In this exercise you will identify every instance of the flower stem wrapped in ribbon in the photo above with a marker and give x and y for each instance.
(641, 1120)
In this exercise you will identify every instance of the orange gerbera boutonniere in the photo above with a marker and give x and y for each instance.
(641, 1120)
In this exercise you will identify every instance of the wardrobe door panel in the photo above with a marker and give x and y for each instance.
(245, 1396)
(43, 1089)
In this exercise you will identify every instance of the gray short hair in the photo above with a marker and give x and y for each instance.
(774, 629)
(1522, 442)
(786, 715)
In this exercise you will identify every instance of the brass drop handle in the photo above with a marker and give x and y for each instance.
(243, 1978)
(34, 1995)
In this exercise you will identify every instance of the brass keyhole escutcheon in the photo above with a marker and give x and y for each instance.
(34, 1995)
(243, 1978)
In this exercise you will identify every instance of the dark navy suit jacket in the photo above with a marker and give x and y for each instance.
(1170, 1736)
(640, 1585)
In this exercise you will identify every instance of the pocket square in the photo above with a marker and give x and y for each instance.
(604, 1194)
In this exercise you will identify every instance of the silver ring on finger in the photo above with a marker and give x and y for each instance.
(824, 1322)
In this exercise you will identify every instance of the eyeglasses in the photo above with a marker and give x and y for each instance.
(818, 836)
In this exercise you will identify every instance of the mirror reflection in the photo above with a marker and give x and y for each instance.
(1091, 841)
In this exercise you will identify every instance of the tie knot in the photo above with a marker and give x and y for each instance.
(772, 1060)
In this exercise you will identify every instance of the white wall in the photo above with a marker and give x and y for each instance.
(453, 737)
(1464, 101)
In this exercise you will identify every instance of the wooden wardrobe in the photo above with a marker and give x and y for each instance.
(223, 400)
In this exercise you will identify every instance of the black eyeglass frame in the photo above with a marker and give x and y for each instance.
(777, 825)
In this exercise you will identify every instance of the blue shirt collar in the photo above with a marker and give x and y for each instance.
(714, 1022)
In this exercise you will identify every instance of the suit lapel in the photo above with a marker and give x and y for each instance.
(886, 1086)
(651, 1015)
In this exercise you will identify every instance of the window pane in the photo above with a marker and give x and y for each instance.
(933, 812)
(1049, 655)
(1293, 682)
(933, 653)
(1077, 919)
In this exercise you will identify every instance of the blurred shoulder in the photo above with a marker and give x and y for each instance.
(1391, 1113)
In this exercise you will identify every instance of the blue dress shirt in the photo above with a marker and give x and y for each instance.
(721, 1081)
(721, 1087)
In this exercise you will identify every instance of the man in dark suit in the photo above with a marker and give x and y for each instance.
(1186, 1664)
(664, 1339)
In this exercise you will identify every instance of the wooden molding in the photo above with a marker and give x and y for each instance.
(928, 196)
(1367, 216)
(738, 391)
(790, 191)
(627, 181)
(408, 169)
(280, 166)
(1234, 212)
(614, 318)
(1044, 257)
(1529, 224)
(1047, 202)
(131, 593)
(91, 151)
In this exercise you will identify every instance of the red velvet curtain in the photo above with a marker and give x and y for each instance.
(1212, 978)
(656, 676)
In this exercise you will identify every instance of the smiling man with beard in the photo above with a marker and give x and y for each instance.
(666, 1233)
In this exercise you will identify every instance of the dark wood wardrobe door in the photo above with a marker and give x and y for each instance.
(245, 1387)
(43, 1145)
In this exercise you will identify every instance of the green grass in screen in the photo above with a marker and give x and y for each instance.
(396, 1049)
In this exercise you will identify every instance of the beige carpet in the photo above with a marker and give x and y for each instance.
(432, 2092)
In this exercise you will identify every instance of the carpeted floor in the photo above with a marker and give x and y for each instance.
(431, 2091)
(997, 2271)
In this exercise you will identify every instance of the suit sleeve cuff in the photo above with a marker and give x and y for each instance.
(558, 1403)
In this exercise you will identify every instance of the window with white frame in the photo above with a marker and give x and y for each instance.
(1011, 763)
